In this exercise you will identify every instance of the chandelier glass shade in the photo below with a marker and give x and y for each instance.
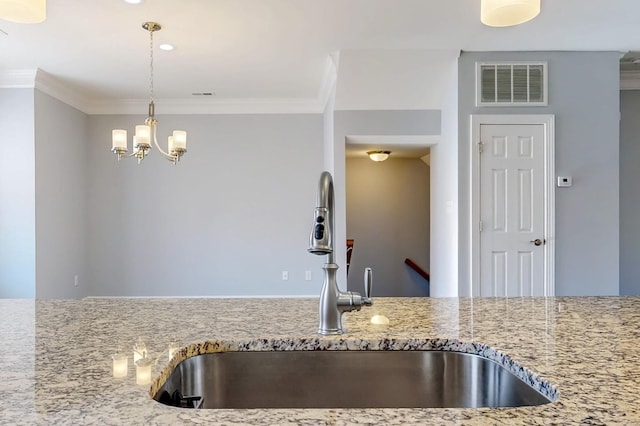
(506, 13)
(23, 11)
(146, 133)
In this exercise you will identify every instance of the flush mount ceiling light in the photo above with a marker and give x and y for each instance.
(506, 13)
(378, 155)
(177, 143)
(23, 11)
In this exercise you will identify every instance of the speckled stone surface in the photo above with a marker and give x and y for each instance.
(55, 355)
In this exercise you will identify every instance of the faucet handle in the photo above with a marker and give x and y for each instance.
(368, 284)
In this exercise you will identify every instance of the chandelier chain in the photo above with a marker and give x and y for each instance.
(151, 64)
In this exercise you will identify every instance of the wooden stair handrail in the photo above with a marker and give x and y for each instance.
(424, 274)
(349, 253)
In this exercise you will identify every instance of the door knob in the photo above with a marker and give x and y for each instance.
(537, 242)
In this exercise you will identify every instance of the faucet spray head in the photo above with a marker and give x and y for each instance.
(320, 239)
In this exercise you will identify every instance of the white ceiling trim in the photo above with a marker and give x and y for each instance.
(329, 79)
(389, 141)
(47, 83)
(207, 106)
(401, 146)
(17, 79)
(52, 86)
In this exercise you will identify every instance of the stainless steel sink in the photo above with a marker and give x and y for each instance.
(344, 379)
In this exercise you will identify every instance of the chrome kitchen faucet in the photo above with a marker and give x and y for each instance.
(333, 302)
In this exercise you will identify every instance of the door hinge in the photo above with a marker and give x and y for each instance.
(480, 147)
(480, 226)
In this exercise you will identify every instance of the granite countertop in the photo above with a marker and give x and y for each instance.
(56, 368)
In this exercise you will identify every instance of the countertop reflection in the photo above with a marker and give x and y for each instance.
(56, 355)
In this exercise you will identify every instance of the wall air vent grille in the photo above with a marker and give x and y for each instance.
(511, 84)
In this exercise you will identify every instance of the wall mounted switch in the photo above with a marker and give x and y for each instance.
(564, 181)
(285, 275)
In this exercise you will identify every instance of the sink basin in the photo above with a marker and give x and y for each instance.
(344, 379)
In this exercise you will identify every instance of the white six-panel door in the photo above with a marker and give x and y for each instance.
(512, 210)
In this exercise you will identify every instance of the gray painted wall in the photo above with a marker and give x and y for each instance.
(388, 218)
(203, 228)
(17, 194)
(60, 189)
(584, 96)
(629, 193)
(226, 221)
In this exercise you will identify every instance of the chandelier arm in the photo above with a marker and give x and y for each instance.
(162, 152)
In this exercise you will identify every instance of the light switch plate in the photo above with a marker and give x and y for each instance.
(564, 181)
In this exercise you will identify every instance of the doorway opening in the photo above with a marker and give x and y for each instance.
(388, 214)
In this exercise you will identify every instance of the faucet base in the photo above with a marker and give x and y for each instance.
(333, 302)
(330, 332)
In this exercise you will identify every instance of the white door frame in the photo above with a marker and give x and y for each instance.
(548, 121)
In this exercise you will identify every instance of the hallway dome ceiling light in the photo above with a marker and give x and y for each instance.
(506, 13)
(378, 155)
(23, 11)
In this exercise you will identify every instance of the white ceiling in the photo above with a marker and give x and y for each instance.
(399, 146)
(277, 49)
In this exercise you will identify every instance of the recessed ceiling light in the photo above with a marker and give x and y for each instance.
(133, 1)
(166, 46)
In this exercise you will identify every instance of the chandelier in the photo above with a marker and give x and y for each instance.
(177, 142)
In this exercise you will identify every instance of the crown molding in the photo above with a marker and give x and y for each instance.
(206, 106)
(49, 84)
(329, 79)
(629, 80)
(36, 78)
(54, 87)
(17, 79)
